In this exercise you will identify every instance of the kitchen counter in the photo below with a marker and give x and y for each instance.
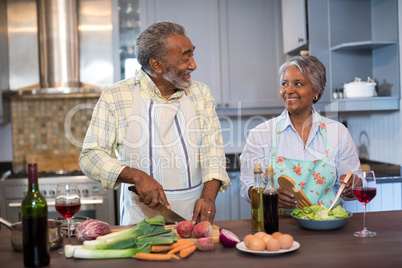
(338, 248)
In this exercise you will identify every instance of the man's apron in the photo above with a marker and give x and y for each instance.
(163, 140)
(315, 178)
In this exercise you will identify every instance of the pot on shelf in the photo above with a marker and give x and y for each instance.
(360, 89)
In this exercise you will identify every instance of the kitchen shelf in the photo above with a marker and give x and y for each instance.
(364, 104)
(362, 45)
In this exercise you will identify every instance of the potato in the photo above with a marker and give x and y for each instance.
(185, 228)
(202, 229)
(205, 244)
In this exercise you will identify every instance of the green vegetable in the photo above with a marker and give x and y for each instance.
(320, 212)
(83, 253)
(127, 243)
(146, 226)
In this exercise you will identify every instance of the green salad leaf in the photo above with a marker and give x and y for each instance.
(320, 212)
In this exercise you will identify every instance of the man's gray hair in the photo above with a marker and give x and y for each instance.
(151, 43)
(312, 68)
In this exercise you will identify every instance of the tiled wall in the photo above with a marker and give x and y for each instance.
(42, 125)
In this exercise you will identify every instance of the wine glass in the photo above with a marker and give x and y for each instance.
(364, 189)
(67, 204)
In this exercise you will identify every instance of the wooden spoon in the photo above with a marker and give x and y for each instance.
(338, 194)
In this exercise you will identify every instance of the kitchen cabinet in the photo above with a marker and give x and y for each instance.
(229, 205)
(238, 48)
(357, 38)
(129, 29)
(294, 26)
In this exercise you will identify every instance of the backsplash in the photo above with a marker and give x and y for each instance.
(56, 126)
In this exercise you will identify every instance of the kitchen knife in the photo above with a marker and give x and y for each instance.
(160, 208)
(338, 194)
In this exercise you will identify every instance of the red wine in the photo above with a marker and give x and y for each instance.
(35, 254)
(271, 219)
(68, 211)
(364, 194)
(35, 236)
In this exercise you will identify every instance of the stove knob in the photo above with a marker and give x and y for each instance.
(85, 191)
(51, 192)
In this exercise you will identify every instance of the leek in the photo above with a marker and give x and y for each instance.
(146, 226)
(82, 253)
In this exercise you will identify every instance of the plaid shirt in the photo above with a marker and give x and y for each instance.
(103, 155)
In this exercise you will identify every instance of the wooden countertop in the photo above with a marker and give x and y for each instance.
(338, 248)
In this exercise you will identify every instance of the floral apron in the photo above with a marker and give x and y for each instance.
(163, 140)
(315, 178)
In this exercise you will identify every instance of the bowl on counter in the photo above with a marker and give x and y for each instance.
(321, 225)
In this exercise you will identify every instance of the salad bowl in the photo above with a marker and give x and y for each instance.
(318, 217)
(321, 225)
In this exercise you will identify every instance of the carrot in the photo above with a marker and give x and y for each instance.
(177, 249)
(161, 248)
(184, 253)
(181, 242)
(155, 257)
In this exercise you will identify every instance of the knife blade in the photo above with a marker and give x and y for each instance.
(338, 194)
(160, 208)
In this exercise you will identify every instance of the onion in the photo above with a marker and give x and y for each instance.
(227, 238)
(91, 229)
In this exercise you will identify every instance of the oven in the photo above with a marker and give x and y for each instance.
(96, 202)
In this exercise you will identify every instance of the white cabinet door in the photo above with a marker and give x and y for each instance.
(229, 205)
(251, 53)
(294, 25)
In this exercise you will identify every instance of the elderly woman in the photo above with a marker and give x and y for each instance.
(316, 152)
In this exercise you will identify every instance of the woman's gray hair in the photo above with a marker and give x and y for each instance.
(312, 68)
(151, 43)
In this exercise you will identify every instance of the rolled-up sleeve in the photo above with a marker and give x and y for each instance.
(212, 154)
(96, 160)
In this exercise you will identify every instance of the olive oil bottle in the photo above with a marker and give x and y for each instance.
(257, 208)
(270, 200)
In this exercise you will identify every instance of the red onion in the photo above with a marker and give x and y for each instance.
(91, 229)
(227, 238)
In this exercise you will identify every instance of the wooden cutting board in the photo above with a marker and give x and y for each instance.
(215, 232)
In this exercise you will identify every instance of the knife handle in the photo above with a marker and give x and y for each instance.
(133, 189)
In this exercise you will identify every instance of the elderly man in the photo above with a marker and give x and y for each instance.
(158, 130)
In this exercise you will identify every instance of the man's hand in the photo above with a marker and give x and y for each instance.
(150, 192)
(204, 208)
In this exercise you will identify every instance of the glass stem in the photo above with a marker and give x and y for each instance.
(69, 231)
(364, 218)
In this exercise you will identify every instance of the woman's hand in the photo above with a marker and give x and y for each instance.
(286, 199)
(348, 191)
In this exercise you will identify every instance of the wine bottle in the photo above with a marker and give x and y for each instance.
(270, 197)
(257, 209)
(35, 241)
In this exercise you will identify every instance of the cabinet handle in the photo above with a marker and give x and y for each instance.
(300, 39)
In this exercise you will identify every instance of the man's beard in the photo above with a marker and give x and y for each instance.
(176, 78)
